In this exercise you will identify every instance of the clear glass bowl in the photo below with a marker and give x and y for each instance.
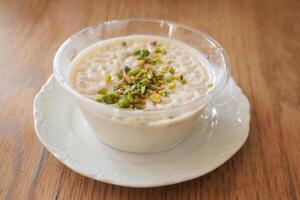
(138, 130)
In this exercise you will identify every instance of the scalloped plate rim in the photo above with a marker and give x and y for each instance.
(67, 162)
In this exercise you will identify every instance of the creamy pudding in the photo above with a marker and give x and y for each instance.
(141, 72)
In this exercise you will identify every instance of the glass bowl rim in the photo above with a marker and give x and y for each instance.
(127, 112)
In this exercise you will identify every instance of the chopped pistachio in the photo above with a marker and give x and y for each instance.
(157, 85)
(183, 81)
(107, 79)
(151, 61)
(120, 75)
(139, 106)
(160, 82)
(110, 98)
(149, 75)
(127, 69)
(132, 77)
(129, 79)
(102, 91)
(141, 54)
(155, 56)
(126, 91)
(119, 85)
(154, 87)
(159, 75)
(145, 82)
(136, 53)
(98, 99)
(139, 85)
(160, 50)
(179, 77)
(138, 100)
(155, 98)
(209, 85)
(143, 89)
(129, 97)
(171, 85)
(141, 62)
(171, 70)
(123, 102)
(158, 62)
(148, 68)
(170, 79)
(169, 62)
(163, 93)
(120, 91)
(136, 92)
(134, 71)
(141, 74)
(166, 68)
(145, 52)
(133, 87)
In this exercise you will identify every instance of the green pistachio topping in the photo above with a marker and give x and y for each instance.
(98, 99)
(170, 79)
(153, 61)
(107, 79)
(155, 98)
(141, 54)
(134, 71)
(209, 85)
(169, 62)
(123, 102)
(102, 91)
(183, 81)
(136, 84)
(110, 98)
(172, 70)
(143, 89)
(160, 50)
(127, 69)
(163, 93)
(142, 62)
(171, 85)
(120, 75)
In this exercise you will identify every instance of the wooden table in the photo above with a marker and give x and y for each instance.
(262, 39)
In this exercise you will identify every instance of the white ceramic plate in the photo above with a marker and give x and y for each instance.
(222, 130)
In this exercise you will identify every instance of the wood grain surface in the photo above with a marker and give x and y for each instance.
(262, 38)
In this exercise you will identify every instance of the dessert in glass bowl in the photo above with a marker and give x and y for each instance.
(141, 84)
(141, 72)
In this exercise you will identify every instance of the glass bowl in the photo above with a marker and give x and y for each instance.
(138, 130)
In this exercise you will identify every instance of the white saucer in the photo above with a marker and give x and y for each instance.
(223, 128)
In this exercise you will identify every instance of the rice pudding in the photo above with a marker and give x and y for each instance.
(141, 72)
(141, 93)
